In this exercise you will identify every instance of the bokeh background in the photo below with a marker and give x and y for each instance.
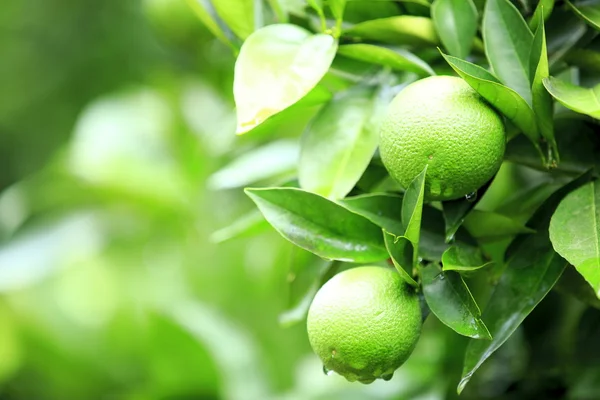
(123, 274)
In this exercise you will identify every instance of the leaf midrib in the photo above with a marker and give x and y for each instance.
(326, 228)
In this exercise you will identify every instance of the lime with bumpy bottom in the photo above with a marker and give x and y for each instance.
(443, 123)
(364, 323)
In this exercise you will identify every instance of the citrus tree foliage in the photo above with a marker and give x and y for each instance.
(482, 263)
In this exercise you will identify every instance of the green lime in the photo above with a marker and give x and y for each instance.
(364, 323)
(443, 123)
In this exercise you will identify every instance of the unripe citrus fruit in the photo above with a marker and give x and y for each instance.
(364, 323)
(442, 122)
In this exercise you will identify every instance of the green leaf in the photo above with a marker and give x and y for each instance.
(338, 145)
(337, 8)
(470, 70)
(579, 99)
(401, 251)
(238, 15)
(403, 29)
(585, 59)
(489, 226)
(205, 11)
(571, 282)
(542, 10)
(456, 24)
(454, 215)
(432, 242)
(575, 232)
(277, 66)
(373, 176)
(247, 225)
(563, 31)
(503, 98)
(395, 58)
(276, 159)
(319, 225)
(588, 10)
(382, 209)
(530, 273)
(424, 3)
(541, 99)
(461, 259)
(508, 40)
(294, 118)
(455, 211)
(412, 209)
(449, 298)
(317, 5)
(576, 143)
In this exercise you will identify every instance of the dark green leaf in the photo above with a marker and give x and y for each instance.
(532, 270)
(576, 98)
(571, 282)
(401, 251)
(589, 10)
(522, 206)
(541, 100)
(543, 11)
(432, 243)
(503, 98)
(412, 208)
(238, 14)
(530, 273)
(380, 208)
(563, 31)
(267, 78)
(508, 40)
(455, 211)
(575, 232)
(450, 300)
(403, 29)
(395, 58)
(576, 142)
(374, 175)
(586, 59)
(456, 24)
(454, 215)
(339, 143)
(319, 225)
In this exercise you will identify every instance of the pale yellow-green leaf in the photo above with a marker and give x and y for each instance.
(277, 66)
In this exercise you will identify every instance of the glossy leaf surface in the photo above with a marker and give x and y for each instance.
(319, 225)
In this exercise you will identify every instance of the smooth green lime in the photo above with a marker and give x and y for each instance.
(364, 323)
(442, 122)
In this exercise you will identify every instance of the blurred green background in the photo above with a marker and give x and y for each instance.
(117, 280)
